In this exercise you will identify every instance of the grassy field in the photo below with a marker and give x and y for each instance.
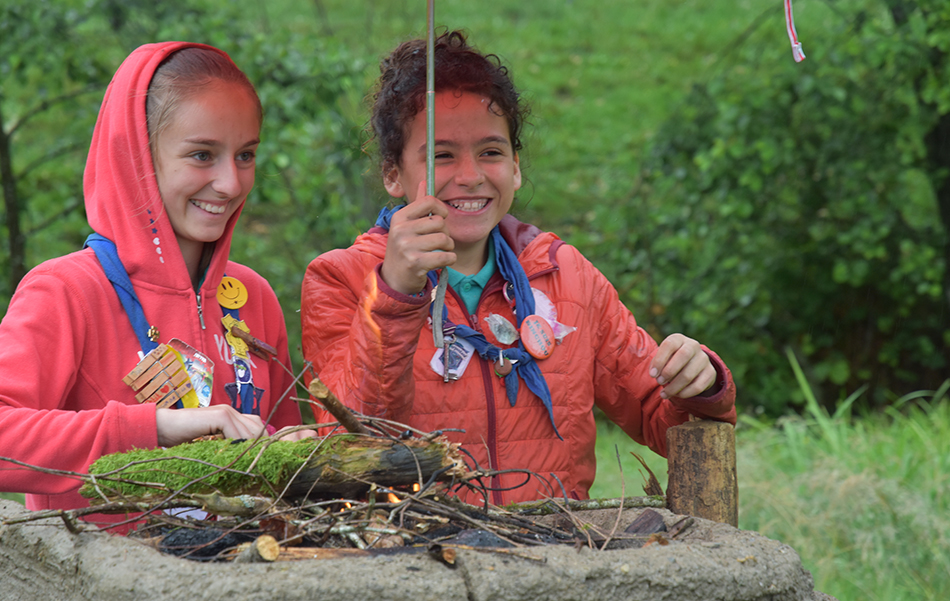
(601, 75)
(865, 502)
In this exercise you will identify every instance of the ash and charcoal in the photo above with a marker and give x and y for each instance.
(384, 529)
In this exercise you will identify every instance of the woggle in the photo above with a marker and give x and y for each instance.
(502, 366)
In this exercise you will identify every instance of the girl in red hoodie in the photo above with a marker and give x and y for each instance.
(534, 335)
(170, 166)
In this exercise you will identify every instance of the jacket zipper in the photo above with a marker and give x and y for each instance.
(492, 442)
(497, 495)
(487, 382)
(201, 316)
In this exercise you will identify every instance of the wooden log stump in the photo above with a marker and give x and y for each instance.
(702, 471)
(264, 549)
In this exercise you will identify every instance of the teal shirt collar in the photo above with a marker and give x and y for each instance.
(470, 287)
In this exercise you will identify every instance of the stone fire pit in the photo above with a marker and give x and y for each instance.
(42, 560)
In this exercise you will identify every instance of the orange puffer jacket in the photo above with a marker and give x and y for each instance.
(372, 347)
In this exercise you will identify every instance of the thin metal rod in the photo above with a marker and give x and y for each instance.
(430, 98)
(439, 301)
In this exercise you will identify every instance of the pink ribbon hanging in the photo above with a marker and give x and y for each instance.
(797, 52)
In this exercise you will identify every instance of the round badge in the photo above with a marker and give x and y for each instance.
(537, 336)
(231, 293)
(502, 367)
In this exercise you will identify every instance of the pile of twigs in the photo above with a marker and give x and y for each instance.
(385, 488)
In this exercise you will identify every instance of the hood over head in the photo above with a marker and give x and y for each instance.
(122, 199)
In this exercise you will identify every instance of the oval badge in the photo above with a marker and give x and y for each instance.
(537, 336)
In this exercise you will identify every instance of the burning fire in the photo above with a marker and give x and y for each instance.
(367, 307)
(393, 498)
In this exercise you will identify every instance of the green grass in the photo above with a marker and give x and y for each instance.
(865, 502)
(12, 496)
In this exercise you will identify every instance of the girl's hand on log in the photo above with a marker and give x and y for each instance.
(176, 426)
(295, 435)
(419, 242)
(682, 368)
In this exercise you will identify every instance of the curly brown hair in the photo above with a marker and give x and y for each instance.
(401, 89)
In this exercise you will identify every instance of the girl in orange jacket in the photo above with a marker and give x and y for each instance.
(536, 336)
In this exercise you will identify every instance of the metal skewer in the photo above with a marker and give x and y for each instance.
(439, 301)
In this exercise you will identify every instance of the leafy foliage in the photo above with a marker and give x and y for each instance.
(795, 205)
(47, 110)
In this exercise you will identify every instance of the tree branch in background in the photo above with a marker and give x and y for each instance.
(76, 204)
(49, 103)
(53, 154)
(11, 203)
(324, 17)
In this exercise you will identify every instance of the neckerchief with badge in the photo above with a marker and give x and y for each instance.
(175, 374)
(514, 362)
(245, 397)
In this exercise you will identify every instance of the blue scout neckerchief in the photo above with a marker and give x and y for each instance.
(106, 252)
(524, 364)
(111, 264)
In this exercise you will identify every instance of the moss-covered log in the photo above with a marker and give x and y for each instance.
(339, 466)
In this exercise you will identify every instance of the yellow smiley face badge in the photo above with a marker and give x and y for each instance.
(231, 293)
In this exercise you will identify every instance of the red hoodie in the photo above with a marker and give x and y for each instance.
(66, 342)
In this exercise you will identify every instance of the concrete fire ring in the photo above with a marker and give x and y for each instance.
(42, 560)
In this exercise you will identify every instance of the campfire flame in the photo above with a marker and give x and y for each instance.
(367, 307)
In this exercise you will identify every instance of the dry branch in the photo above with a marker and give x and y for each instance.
(319, 391)
(546, 507)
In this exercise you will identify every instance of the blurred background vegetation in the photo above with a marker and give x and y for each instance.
(729, 193)
(770, 209)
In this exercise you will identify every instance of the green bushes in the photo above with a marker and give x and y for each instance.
(788, 205)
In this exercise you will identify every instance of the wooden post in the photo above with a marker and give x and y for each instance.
(702, 471)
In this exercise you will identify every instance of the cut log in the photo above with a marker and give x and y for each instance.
(263, 549)
(349, 470)
(702, 471)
